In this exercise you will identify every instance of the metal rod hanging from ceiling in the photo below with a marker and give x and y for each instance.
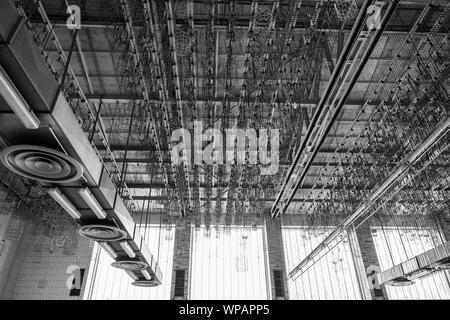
(243, 94)
(153, 28)
(81, 95)
(143, 82)
(176, 78)
(317, 129)
(439, 133)
(371, 97)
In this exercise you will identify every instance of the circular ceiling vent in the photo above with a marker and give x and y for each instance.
(42, 164)
(101, 232)
(130, 265)
(400, 282)
(146, 283)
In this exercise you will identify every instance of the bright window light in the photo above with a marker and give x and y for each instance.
(107, 283)
(228, 263)
(332, 277)
(395, 245)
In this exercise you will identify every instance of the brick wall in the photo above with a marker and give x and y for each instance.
(38, 273)
(276, 254)
(181, 257)
(370, 260)
(39, 268)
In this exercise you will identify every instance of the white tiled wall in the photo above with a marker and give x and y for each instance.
(4, 243)
(43, 272)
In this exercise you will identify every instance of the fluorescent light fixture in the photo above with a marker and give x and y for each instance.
(146, 274)
(108, 249)
(132, 275)
(127, 248)
(16, 101)
(92, 203)
(65, 203)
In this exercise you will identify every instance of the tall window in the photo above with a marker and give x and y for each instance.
(228, 263)
(396, 245)
(105, 282)
(332, 277)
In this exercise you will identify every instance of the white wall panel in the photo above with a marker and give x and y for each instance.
(332, 277)
(228, 263)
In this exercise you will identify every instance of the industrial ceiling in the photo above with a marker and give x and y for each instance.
(360, 102)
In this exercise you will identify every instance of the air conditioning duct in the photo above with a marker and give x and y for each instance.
(128, 249)
(146, 274)
(16, 101)
(92, 203)
(57, 152)
(132, 275)
(108, 249)
(422, 265)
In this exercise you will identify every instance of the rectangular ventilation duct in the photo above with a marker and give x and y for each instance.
(99, 207)
(430, 261)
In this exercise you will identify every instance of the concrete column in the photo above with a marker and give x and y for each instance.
(370, 261)
(181, 260)
(276, 257)
(360, 269)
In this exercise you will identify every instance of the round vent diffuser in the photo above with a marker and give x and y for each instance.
(145, 283)
(400, 282)
(40, 163)
(130, 265)
(101, 232)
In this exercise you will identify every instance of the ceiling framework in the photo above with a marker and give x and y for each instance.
(413, 133)
(355, 110)
(350, 104)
